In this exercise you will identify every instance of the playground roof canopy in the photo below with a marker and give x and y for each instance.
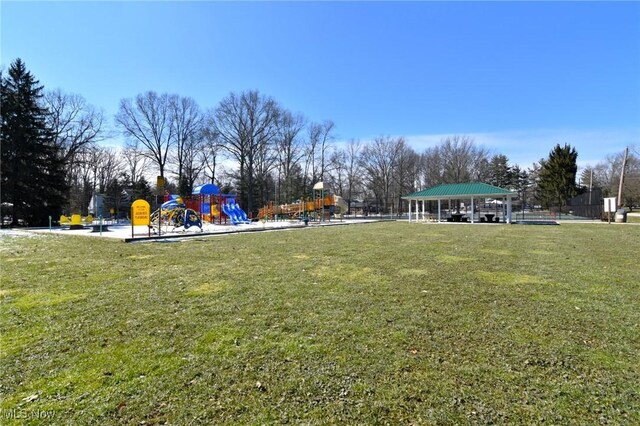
(206, 189)
(460, 191)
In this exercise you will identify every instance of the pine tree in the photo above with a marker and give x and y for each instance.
(32, 175)
(500, 173)
(520, 183)
(519, 178)
(142, 190)
(557, 182)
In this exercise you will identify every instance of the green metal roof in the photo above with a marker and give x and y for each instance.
(459, 191)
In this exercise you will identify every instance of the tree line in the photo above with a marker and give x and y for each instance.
(54, 158)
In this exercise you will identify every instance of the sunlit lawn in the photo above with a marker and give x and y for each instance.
(633, 219)
(373, 323)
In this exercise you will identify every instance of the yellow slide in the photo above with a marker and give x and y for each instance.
(214, 213)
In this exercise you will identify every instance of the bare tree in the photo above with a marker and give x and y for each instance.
(148, 119)
(74, 123)
(463, 161)
(354, 170)
(81, 183)
(378, 160)
(606, 175)
(457, 159)
(96, 169)
(337, 177)
(265, 163)
(290, 153)
(318, 147)
(186, 123)
(192, 163)
(107, 165)
(432, 167)
(631, 196)
(244, 123)
(210, 148)
(135, 162)
(76, 127)
(405, 172)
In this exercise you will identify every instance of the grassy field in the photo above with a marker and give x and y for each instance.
(633, 219)
(373, 323)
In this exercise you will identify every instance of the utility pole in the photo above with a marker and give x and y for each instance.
(624, 164)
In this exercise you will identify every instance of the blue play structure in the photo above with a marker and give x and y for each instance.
(235, 213)
(213, 205)
(191, 218)
(175, 213)
(174, 203)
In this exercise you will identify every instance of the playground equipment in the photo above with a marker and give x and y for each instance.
(176, 214)
(64, 220)
(205, 199)
(76, 221)
(235, 213)
(213, 205)
(209, 212)
(321, 206)
(206, 203)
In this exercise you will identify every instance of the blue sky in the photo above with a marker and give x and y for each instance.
(518, 77)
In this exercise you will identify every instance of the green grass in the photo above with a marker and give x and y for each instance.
(633, 219)
(379, 323)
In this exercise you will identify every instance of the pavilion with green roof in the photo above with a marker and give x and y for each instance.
(474, 191)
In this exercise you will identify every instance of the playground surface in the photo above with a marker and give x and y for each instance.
(122, 231)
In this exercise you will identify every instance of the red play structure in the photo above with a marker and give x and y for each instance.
(207, 201)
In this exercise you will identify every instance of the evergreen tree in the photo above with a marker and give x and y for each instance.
(587, 179)
(500, 172)
(32, 175)
(557, 181)
(142, 190)
(520, 183)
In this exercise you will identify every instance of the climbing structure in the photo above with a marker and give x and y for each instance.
(174, 214)
(321, 206)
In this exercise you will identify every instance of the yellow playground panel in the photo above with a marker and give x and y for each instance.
(75, 221)
(214, 213)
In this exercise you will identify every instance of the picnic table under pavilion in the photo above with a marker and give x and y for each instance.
(474, 191)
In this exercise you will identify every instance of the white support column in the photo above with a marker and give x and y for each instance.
(473, 215)
(409, 209)
(439, 212)
(508, 209)
(423, 210)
